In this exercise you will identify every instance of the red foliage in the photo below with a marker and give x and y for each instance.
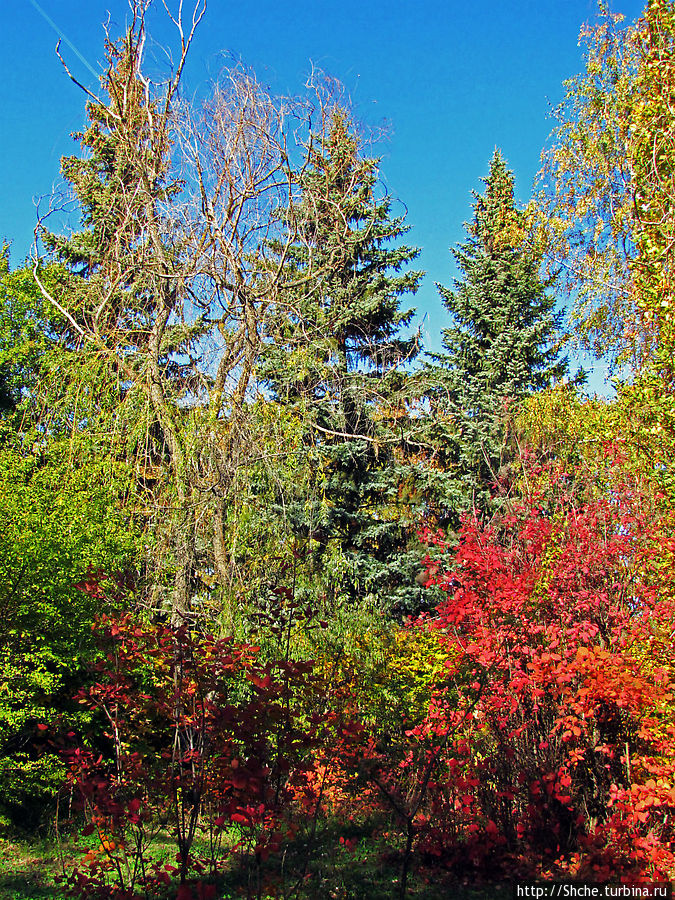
(548, 750)
(555, 623)
(199, 734)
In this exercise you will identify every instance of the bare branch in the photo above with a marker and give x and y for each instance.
(72, 77)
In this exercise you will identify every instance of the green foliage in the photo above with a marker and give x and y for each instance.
(27, 335)
(126, 368)
(55, 524)
(389, 671)
(501, 345)
(335, 359)
(639, 424)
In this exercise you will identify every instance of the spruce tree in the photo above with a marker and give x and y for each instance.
(123, 286)
(500, 346)
(336, 361)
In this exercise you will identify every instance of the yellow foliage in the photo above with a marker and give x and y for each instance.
(391, 673)
(636, 430)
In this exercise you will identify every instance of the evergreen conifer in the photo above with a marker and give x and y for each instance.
(336, 360)
(500, 346)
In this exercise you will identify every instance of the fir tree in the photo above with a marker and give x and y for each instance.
(501, 344)
(126, 366)
(336, 360)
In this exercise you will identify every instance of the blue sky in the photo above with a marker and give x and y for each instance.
(453, 80)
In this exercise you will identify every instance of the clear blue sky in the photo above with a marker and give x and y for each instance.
(452, 79)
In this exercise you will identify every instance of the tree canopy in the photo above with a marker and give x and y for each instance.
(503, 342)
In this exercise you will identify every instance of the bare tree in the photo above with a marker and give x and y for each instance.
(187, 215)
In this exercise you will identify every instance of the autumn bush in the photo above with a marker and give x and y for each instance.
(192, 736)
(555, 621)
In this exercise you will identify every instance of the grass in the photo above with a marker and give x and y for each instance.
(364, 872)
(27, 870)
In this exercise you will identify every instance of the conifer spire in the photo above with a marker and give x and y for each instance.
(502, 340)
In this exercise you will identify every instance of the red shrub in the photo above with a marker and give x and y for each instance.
(551, 743)
(199, 734)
